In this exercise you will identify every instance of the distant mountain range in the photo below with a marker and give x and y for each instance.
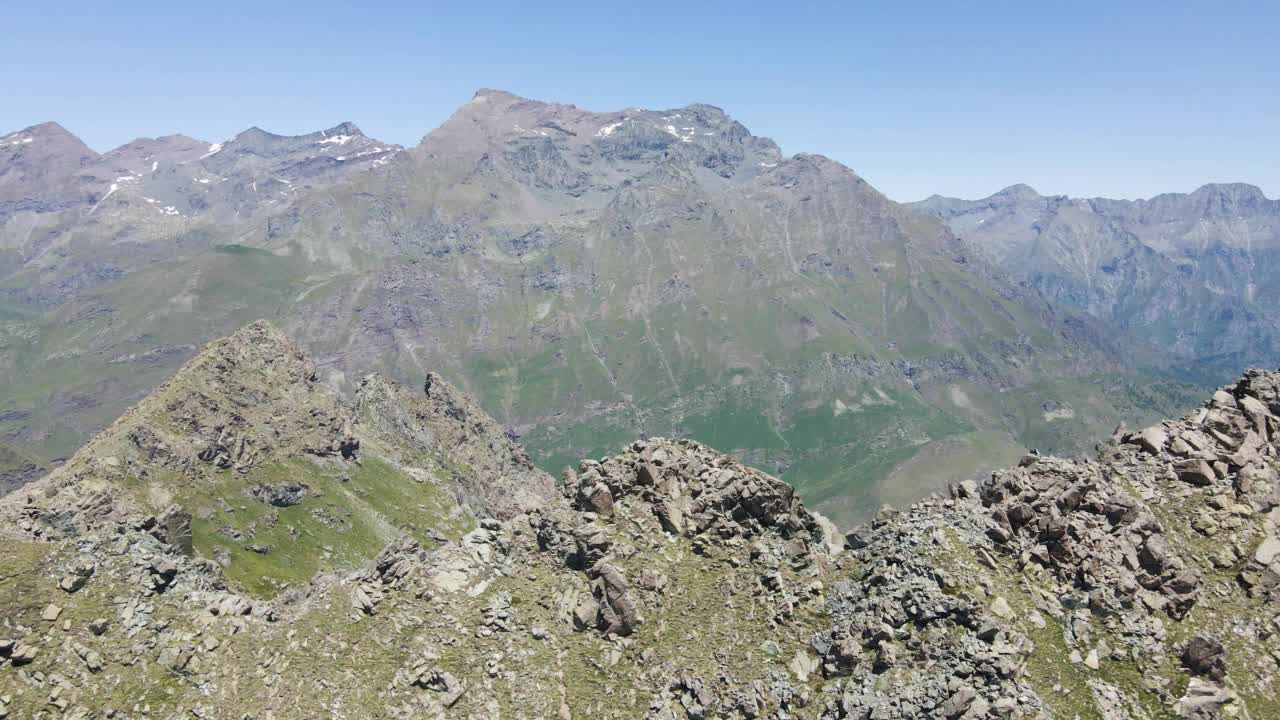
(588, 277)
(1197, 274)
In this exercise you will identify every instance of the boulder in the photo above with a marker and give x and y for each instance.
(174, 527)
(618, 614)
(1153, 439)
(1195, 471)
(1204, 656)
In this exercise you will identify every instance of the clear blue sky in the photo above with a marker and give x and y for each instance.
(1122, 99)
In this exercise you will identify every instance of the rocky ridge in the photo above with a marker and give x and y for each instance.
(666, 581)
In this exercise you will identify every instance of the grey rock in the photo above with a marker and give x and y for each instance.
(1205, 656)
(1195, 472)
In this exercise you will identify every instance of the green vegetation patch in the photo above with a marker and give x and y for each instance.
(343, 516)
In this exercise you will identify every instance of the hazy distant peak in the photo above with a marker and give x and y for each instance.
(164, 141)
(706, 108)
(493, 94)
(52, 137)
(343, 128)
(1237, 192)
(819, 162)
(1018, 191)
(48, 128)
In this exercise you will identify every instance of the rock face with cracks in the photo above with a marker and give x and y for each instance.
(245, 543)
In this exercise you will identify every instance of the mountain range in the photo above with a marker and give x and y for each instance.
(588, 277)
(245, 542)
(1194, 274)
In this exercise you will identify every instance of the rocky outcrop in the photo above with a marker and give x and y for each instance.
(694, 491)
(902, 617)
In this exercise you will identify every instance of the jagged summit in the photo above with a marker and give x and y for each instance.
(494, 120)
(1143, 583)
(344, 140)
(256, 135)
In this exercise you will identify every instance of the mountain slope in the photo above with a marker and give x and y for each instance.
(247, 419)
(1190, 272)
(590, 278)
(36, 165)
(668, 581)
(18, 467)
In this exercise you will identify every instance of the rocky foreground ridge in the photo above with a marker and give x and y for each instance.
(247, 544)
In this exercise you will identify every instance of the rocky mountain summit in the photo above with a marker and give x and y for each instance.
(588, 277)
(247, 543)
(1191, 272)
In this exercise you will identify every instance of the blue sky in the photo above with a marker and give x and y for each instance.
(1116, 99)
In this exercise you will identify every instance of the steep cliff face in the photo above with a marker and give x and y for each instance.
(314, 558)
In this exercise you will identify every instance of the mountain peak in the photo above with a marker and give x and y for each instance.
(48, 126)
(486, 94)
(1018, 191)
(51, 136)
(345, 127)
(1235, 192)
(821, 168)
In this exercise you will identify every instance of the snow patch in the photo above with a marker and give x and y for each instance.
(686, 136)
(838, 407)
(607, 130)
(155, 164)
(110, 192)
(213, 150)
(337, 140)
